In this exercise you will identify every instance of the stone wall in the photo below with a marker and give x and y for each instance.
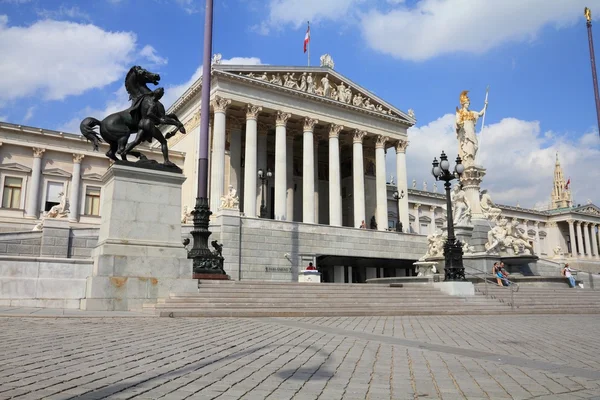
(20, 243)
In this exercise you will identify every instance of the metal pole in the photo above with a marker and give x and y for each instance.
(308, 44)
(451, 237)
(594, 76)
(205, 113)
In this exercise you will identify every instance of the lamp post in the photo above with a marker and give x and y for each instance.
(454, 269)
(263, 180)
(398, 196)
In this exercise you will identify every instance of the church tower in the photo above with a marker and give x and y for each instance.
(561, 192)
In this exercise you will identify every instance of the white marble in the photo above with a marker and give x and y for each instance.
(358, 177)
(381, 187)
(250, 161)
(217, 170)
(33, 208)
(335, 189)
(75, 188)
(456, 288)
(308, 173)
(281, 165)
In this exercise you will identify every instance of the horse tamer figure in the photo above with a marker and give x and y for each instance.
(143, 117)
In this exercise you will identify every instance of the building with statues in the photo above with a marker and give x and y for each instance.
(297, 167)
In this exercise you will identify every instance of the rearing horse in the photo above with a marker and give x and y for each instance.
(116, 128)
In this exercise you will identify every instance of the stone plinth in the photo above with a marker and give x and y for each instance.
(471, 181)
(311, 276)
(456, 288)
(463, 233)
(139, 255)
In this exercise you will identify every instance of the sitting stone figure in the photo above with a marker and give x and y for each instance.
(435, 245)
(186, 215)
(487, 207)
(60, 210)
(504, 237)
(558, 252)
(467, 249)
(461, 209)
(230, 201)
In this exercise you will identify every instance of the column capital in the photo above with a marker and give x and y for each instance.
(536, 224)
(77, 158)
(282, 118)
(381, 140)
(334, 130)
(220, 104)
(401, 146)
(38, 152)
(309, 124)
(585, 224)
(416, 206)
(358, 136)
(252, 111)
(570, 221)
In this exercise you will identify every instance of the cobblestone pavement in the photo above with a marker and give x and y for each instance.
(447, 357)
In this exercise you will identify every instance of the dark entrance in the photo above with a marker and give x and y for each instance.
(355, 269)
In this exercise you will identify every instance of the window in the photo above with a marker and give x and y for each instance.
(53, 193)
(92, 200)
(11, 197)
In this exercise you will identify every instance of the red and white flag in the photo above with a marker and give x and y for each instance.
(568, 183)
(307, 38)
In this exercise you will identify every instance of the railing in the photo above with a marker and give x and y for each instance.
(512, 286)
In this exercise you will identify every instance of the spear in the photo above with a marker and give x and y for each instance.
(487, 91)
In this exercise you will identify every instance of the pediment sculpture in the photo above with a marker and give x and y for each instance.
(327, 61)
(230, 201)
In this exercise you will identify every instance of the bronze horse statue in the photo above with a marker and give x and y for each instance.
(145, 113)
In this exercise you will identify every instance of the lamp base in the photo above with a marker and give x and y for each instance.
(454, 269)
(205, 262)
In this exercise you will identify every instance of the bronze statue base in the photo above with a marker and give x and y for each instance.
(210, 276)
(151, 164)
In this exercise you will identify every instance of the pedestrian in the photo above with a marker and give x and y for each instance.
(567, 273)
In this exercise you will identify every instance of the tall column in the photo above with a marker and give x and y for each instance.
(586, 234)
(308, 171)
(381, 191)
(235, 154)
(290, 178)
(316, 178)
(262, 164)
(217, 169)
(358, 177)
(572, 238)
(33, 207)
(250, 165)
(580, 239)
(75, 188)
(280, 165)
(538, 245)
(401, 146)
(417, 227)
(335, 180)
(432, 211)
(595, 240)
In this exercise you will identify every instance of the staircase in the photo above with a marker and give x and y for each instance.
(272, 299)
(549, 300)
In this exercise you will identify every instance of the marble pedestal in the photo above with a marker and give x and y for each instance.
(139, 256)
(471, 181)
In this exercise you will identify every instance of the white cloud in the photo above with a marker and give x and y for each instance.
(58, 59)
(434, 27)
(64, 12)
(29, 114)
(120, 98)
(149, 53)
(518, 156)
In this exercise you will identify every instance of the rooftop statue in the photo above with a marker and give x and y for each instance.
(143, 117)
(466, 120)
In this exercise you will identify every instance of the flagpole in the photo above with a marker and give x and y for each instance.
(588, 16)
(487, 91)
(308, 45)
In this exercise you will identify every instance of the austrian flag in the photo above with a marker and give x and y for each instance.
(307, 38)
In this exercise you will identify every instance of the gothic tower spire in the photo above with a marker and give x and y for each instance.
(561, 192)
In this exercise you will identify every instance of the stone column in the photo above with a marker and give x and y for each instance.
(381, 192)
(33, 207)
(235, 154)
(218, 152)
(316, 178)
(250, 165)
(75, 188)
(417, 227)
(572, 238)
(432, 211)
(402, 186)
(262, 164)
(280, 165)
(308, 171)
(358, 178)
(595, 240)
(586, 234)
(580, 248)
(335, 181)
(290, 178)
(538, 245)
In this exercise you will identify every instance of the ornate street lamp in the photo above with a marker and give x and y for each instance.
(454, 269)
(263, 181)
(398, 196)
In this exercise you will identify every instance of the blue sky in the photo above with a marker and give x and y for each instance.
(63, 60)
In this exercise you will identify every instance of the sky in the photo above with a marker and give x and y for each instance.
(63, 60)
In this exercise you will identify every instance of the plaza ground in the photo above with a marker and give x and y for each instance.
(429, 357)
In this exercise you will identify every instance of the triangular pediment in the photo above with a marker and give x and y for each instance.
(319, 83)
(15, 168)
(92, 177)
(57, 172)
(588, 209)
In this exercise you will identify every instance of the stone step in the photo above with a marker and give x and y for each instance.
(257, 294)
(331, 306)
(268, 299)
